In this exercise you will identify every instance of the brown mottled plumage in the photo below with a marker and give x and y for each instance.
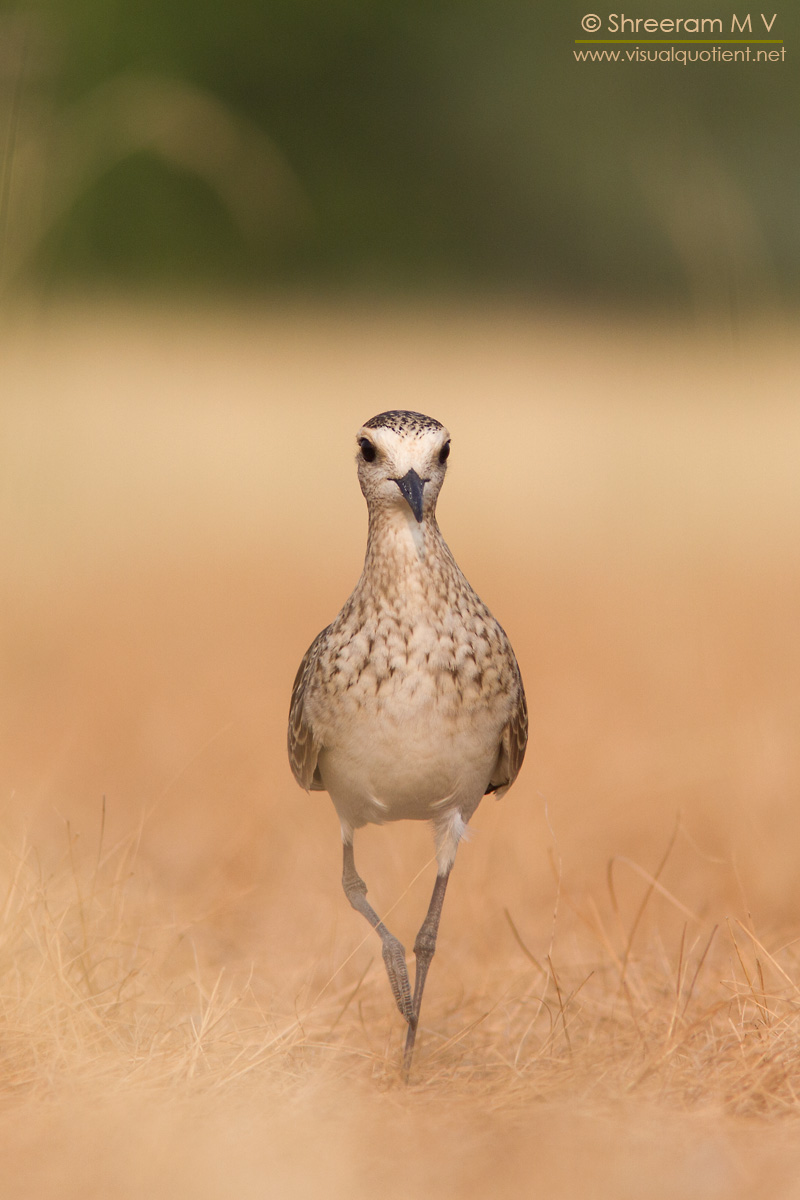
(410, 704)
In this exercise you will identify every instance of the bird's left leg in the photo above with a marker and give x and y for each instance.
(394, 956)
(424, 948)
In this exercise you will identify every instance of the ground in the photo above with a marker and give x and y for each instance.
(188, 1005)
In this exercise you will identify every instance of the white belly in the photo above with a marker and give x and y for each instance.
(400, 766)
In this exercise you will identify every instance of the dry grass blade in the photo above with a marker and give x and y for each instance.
(774, 962)
(653, 886)
(698, 969)
(518, 939)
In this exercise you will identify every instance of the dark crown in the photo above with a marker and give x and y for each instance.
(400, 420)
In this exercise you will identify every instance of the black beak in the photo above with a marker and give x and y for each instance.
(411, 486)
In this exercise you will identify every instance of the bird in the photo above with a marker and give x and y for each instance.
(410, 704)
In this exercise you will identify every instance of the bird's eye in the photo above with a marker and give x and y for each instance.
(444, 453)
(367, 450)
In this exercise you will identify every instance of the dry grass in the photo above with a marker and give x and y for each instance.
(187, 1004)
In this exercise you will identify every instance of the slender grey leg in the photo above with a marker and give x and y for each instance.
(394, 956)
(424, 948)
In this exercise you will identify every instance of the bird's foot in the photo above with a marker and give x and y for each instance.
(394, 957)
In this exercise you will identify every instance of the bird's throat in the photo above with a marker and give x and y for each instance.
(395, 534)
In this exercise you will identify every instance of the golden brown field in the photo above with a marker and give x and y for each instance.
(188, 1006)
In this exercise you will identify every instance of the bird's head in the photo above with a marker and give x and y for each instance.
(402, 459)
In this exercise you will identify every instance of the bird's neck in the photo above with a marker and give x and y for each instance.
(402, 552)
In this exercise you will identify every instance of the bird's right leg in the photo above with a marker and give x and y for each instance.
(394, 956)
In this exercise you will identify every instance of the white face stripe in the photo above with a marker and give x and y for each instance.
(403, 452)
(405, 438)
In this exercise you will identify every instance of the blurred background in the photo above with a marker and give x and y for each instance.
(229, 234)
(402, 147)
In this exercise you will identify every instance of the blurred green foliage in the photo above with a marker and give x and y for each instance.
(413, 144)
